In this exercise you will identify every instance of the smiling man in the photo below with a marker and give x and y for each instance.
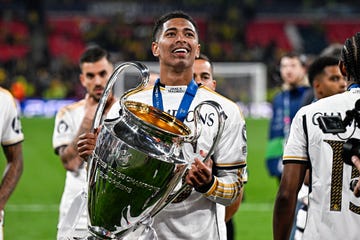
(217, 180)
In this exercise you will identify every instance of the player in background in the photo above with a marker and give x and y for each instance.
(204, 74)
(333, 210)
(11, 137)
(326, 80)
(70, 122)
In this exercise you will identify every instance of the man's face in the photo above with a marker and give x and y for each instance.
(177, 44)
(94, 77)
(291, 70)
(329, 82)
(203, 73)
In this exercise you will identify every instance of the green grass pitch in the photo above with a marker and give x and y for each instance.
(32, 210)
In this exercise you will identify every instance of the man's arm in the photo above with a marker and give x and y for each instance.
(356, 161)
(231, 210)
(285, 203)
(12, 173)
(224, 188)
(69, 154)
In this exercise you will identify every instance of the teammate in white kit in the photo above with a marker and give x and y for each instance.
(218, 180)
(204, 74)
(11, 137)
(73, 120)
(334, 212)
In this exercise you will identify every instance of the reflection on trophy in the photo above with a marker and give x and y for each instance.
(137, 162)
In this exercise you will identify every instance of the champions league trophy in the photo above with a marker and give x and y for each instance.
(137, 161)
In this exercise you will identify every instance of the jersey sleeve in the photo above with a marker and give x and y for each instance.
(230, 159)
(296, 147)
(64, 129)
(11, 132)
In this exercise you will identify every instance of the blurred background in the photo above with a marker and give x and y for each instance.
(41, 41)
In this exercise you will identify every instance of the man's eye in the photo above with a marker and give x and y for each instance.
(170, 34)
(103, 74)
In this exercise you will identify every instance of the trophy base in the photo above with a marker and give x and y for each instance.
(100, 233)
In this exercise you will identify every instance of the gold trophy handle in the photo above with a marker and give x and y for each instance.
(144, 71)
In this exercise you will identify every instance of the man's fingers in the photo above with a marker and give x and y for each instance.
(356, 162)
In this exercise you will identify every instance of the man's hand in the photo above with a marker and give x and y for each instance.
(86, 144)
(200, 174)
(356, 162)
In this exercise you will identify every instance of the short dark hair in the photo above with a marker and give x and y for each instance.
(206, 58)
(168, 16)
(93, 54)
(318, 66)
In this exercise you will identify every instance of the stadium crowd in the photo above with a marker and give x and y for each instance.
(40, 41)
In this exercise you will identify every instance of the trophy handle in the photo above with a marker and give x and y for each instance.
(192, 139)
(197, 130)
(144, 71)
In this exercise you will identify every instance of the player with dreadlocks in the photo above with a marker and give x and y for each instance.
(334, 212)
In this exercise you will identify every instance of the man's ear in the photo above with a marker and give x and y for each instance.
(82, 79)
(342, 68)
(316, 83)
(197, 52)
(155, 49)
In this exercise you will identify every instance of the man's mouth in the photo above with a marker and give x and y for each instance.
(181, 50)
(98, 90)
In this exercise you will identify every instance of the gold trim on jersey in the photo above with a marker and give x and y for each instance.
(224, 190)
(70, 107)
(297, 158)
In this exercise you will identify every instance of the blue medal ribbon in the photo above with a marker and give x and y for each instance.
(354, 85)
(185, 102)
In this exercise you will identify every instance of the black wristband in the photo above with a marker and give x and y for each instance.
(206, 187)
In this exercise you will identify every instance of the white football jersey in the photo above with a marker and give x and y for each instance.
(197, 216)
(10, 125)
(67, 123)
(334, 212)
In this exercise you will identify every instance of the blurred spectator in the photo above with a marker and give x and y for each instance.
(31, 40)
(56, 90)
(285, 105)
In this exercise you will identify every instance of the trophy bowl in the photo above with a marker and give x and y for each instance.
(137, 161)
(134, 167)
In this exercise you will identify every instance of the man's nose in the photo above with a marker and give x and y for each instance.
(197, 79)
(98, 80)
(180, 37)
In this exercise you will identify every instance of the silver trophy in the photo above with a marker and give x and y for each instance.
(137, 161)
